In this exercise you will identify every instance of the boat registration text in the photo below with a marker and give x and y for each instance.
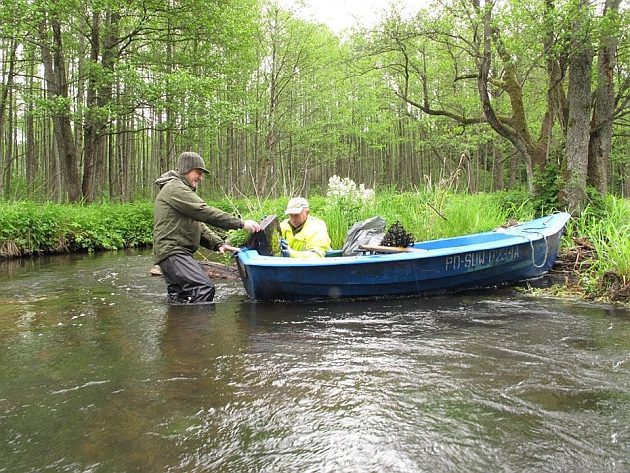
(481, 258)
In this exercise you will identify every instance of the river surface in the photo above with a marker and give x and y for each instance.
(99, 374)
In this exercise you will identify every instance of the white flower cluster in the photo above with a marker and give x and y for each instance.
(347, 188)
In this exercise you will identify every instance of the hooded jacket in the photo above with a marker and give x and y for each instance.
(179, 215)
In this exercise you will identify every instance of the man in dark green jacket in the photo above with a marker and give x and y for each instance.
(179, 229)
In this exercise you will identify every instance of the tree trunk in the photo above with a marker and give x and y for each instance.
(600, 142)
(578, 125)
(31, 156)
(99, 96)
(625, 188)
(497, 174)
(518, 134)
(4, 100)
(268, 156)
(556, 97)
(91, 121)
(11, 139)
(57, 85)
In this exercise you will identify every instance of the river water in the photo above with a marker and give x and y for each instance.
(99, 374)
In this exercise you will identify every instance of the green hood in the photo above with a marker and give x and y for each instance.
(167, 177)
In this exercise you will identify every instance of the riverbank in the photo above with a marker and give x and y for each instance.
(32, 229)
(596, 251)
(594, 258)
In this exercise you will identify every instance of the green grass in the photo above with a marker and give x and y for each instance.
(607, 228)
(424, 215)
(27, 228)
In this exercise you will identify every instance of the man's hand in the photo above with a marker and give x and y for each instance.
(251, 226)
(225, 247)
(284, 248)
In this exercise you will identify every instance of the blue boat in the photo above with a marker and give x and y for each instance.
(499, 257)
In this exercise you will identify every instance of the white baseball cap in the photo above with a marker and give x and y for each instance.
(296, 205)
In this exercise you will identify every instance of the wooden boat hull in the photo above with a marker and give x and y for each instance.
(494, 258)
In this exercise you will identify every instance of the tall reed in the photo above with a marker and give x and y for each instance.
(419, 213)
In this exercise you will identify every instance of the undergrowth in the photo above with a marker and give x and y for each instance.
(28, 229)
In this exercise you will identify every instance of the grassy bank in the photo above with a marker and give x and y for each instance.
(29, 229)
(595, 249)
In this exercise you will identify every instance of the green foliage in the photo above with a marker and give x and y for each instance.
(548, 184)
(346, 203)
(516, 203)
(408, 208)
(464, 214)
(280, 102)
(458, 213)
(606, 226)
(27, 228)
(237, 238)
(340, 218)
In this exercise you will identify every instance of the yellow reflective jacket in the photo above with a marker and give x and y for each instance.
(312, 241)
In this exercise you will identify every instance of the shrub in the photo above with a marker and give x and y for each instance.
(27, 228)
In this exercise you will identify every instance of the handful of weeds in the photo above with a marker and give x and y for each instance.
(397, 236)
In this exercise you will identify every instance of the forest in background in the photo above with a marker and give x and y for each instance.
(98, 97)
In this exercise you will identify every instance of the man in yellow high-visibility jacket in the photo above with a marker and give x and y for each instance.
(303, 236)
